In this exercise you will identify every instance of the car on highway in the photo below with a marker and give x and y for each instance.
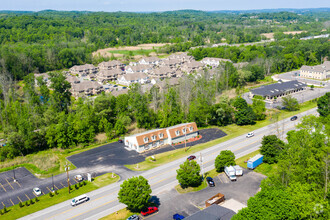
(79, 178)
(37, 191)
(133, 217)
(293, 118)
(178, 216)
(191, 157)
(251, 134)
(210, 181)
(149, 211)
(79, 199)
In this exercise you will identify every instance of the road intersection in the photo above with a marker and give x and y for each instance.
(163, 178)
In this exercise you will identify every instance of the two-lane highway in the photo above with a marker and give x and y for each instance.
(163, 178)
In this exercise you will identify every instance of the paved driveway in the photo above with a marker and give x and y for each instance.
(172, 202)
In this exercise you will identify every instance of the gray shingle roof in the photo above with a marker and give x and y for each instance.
(213, 212)
(278, 88)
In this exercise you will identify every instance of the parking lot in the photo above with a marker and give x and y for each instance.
(12, 192)
(171, 202)
(104, 159)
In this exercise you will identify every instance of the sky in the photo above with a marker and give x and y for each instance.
(156, 5)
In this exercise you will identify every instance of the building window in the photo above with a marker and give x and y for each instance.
(161, 135)
(146, 140)
(153, 137)
(177, 132)
(191, 128)
(184, 130)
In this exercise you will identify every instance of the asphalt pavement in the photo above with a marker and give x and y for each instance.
(104, 159)
(162, 179)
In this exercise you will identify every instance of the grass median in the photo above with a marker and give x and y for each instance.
(232, 131)
(45, 201)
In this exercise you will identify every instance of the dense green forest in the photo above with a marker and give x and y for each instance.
(51, 40)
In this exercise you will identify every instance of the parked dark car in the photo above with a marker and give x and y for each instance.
(191, 157)
(210, 181)
(149, 211)
(293, 118)
(178, 216)
(120, 140)
(133, 217)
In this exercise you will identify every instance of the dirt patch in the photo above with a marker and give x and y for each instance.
(105, 52)
(101, 137)
(268, 35)
(294, 32)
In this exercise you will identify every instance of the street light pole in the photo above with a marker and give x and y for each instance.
(67, 174)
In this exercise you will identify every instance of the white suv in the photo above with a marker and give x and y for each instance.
(251, 134)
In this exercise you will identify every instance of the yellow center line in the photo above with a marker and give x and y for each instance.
(27, 196)
(94, 208)
(80, 205)
(162, 180)
(3, 204)
(162, 173)
(9, 184)
(11, 202)
(19, 199)
(55, 186)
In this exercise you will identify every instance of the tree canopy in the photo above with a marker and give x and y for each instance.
(135, 193)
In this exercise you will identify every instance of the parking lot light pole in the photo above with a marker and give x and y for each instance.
(14, 175)
(67, 174)
(53, 181)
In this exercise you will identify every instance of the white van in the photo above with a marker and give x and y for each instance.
(231, 173)
(79, 199)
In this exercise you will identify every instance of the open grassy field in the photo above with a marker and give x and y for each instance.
(232, 131)
(45, 201)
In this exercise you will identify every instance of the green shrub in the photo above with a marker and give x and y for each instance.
(56, 192)
(80, 184)
(37, 199)
(85, 182)
(20, 204)
(51, 194)
(4, 209)
(31, 201)
(27, 203)
(76, 186)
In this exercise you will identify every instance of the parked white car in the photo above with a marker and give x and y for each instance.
(37, 191)
(251, 134)
(79, 178)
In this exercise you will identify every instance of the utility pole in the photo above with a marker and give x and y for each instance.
(185, 138)
(67, 166)
(201, 160)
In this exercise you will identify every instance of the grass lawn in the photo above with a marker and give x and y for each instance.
(232, 131)
(15, 212)
(122, 214)
(45, 163)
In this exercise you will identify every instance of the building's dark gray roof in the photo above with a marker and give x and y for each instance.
(213, 212)
(278, 88)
